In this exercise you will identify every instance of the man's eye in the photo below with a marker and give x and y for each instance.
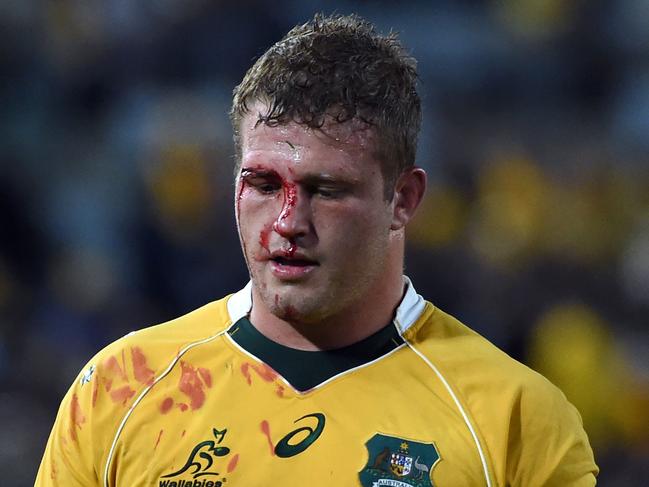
(267, 188)
(328, 193)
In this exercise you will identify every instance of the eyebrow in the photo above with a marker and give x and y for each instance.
(315, 179)
(247, 172)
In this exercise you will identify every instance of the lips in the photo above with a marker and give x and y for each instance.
(291, 267)
(290, 261)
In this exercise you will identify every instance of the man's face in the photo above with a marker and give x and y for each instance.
(313, 220)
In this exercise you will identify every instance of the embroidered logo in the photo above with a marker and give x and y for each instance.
(199, 463)
(397, 462)
(86, 375)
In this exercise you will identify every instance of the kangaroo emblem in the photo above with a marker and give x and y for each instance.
(200, 459)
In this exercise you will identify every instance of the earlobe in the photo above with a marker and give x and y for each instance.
(409, 192)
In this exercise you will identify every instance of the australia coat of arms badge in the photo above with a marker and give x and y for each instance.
(398, 462)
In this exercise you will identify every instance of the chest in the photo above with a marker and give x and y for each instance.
(229, 420)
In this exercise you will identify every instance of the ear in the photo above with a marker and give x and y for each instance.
(408, 193)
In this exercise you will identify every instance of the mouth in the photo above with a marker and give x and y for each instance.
(295, 262)
(292, 267)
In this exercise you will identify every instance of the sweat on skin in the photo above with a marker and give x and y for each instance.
(307, 201)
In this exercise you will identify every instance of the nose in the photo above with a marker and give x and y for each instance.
(295, 218)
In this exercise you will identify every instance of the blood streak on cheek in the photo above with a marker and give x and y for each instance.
(242, 186)
(264, 236)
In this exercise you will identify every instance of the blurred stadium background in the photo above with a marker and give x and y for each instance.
(116, 187)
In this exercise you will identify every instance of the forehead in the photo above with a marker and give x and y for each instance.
(352, 143)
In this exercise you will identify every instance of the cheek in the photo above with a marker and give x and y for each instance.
(256, 217)
(352, 226)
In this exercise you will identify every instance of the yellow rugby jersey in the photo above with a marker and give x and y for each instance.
(184, 404)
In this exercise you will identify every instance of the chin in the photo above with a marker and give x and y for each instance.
(293, 310)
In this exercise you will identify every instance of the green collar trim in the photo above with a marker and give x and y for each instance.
(305, 370)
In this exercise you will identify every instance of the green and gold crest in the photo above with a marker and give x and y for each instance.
(398, 462)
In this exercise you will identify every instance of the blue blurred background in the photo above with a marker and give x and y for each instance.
(116, 187)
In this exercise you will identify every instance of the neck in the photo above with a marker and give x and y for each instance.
(358, 321)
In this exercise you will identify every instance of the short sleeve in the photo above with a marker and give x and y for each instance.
(547, 443)
(69, 454)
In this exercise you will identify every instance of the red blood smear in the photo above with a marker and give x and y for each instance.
(233, 463)
(279, 391)
(265, 372)
(206, 376)
(166, 405)
(95, 389)
(242, 185)
(265, 429)
(290, 200)
(262, 370)
(190, 384)
(245, 370)
(77, 418)
(264, 236)
(182, 406)
(158, 440)
(143, 373)
(292, 248)
(183, 433)
(112, 369)
(122, 394)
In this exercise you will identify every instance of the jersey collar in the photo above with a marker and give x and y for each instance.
(408, 312)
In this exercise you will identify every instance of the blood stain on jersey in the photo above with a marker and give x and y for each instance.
(142, 372)
(123, 394)
(262, 370)
(397, 462)
(166, 405)
(192, 386)
(265, 429)
(206, 376)
(112, 370)
(77, 418)
(232, 464)
(95, 390)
